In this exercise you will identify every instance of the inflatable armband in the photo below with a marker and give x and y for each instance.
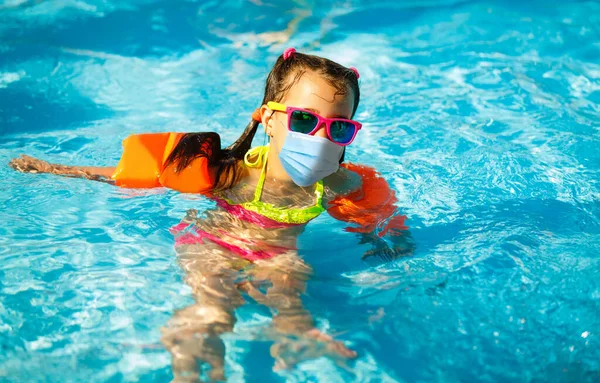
(142, 165)
(369, 207)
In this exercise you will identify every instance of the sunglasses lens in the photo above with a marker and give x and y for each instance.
(342, 131)
(303, 122)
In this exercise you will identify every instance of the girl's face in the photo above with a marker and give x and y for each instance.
(313, 93)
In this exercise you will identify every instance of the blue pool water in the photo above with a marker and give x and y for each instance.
(484, 116)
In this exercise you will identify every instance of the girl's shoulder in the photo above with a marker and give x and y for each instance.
(342, 182)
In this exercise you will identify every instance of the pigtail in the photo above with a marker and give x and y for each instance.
(239, 148)
(195, 145)
(208, 145)
(229, 167)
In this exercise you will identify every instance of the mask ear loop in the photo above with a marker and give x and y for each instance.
(265, 137)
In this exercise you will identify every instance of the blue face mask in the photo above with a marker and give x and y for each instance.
(308, 159)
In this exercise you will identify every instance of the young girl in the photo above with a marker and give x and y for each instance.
(264, 196)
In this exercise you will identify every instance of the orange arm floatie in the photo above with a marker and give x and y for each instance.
(195, 178)
(141, 162)
(369, 207)
(142, 165)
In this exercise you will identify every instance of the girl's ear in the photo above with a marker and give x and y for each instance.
(265, 116)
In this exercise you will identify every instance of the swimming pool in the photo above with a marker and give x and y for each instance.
(483, 116)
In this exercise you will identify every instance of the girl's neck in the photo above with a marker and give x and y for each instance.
(276, 175)
(275, 170)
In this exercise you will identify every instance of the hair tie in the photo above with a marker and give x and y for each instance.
(256, 115)
(353, 69)
(288, 52)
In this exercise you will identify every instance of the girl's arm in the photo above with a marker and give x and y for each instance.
(27, 164)
(370, 208)
(286, 276)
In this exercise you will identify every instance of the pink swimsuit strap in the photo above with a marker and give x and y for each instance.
(194, 235)
(197, 236)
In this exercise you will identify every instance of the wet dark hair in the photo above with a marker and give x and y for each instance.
(285, 74)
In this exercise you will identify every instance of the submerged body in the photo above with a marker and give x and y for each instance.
(232, 249)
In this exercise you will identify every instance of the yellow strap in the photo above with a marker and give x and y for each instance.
(261, 153)
(268, 210)
(285, 215)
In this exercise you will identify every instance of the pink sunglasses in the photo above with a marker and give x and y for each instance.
(339, 130)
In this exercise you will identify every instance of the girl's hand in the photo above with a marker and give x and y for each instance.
(333, 345)
(27, 164)
(312, 345)
(395, 247)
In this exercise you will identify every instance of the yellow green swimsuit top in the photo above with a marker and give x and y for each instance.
(270, 211)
